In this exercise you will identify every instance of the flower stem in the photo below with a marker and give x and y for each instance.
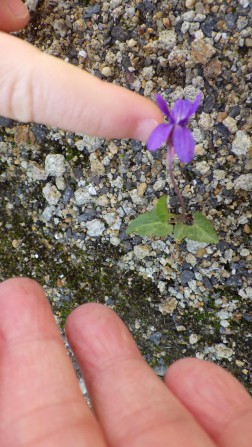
(175, 186)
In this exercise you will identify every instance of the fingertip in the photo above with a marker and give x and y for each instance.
(14, 15)
(97, 335)
(192, 368)
(145, 128)
(190, 371)
(19, 286)
(88, 311)
(184, 363)
(214, 397)
(94, 321)
(24, 310)
(201, 384)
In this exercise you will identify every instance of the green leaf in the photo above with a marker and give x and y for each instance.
(162, 210)
(149, 224)
(201, 230)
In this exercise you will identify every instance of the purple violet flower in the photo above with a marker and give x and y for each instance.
(177, 136)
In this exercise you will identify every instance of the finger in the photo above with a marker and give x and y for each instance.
(38, 87)
(215, 398)
(133, 405)
(41, 404)
(13, 15)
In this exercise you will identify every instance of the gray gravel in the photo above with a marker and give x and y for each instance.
(67, 199)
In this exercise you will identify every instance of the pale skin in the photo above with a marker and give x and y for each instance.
(198, 405)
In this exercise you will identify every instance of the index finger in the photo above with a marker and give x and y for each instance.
(41, 88)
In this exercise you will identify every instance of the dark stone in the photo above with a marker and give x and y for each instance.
(186, 266)
(6, 122)
(67, 194)
(222, 246)
(241, 267)
(186, 276)
(96, 180)
(118, 33)
(104, 190)
(235, 111)
(69, 233)
(107, 41)
(161, 368)
(201, 189)
(124, 236)
(145, 7)
(78, 172)
(127, 247)
(126, 162)
(234, 281)
(72, 53)
(17, 201)
(128, 185)
(138, 158)
(178, 27)
(222, 130)
(79, 237)
(207, 283)
(155, 338)
(149, 191)
(248, 317)
(208, 26)
(110, 302)
(88, 215)
(66, 298)
(214, 281)
(168, 91)
(136, 146)
(137, 240)
(138, 175)
(39, 131)
(230, 20)
(209, 103)
(125, 61)
(173, 202)
(129, 77)
(91, 10)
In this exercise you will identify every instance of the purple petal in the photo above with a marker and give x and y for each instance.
(183, 109)
(163, 106)
(159, 135)
(195, 104)
(183, 143)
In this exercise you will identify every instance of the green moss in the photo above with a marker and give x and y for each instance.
(3, 168)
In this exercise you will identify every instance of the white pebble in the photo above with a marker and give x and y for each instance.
(95, 228)
(55, 165)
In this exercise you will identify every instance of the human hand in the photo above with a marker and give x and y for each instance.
(41, 405)
(41, 88)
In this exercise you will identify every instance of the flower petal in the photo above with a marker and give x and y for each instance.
(195, 105)
(163, 106)
(159, 135)
(183, 109)
(184, 143)
(180, 110)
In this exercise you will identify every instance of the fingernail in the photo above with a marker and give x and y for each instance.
(144, 129)
(18, 8)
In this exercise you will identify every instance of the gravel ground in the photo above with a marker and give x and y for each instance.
(66, 199)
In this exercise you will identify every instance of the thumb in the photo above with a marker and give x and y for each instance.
(40, 88)
(13, 15)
